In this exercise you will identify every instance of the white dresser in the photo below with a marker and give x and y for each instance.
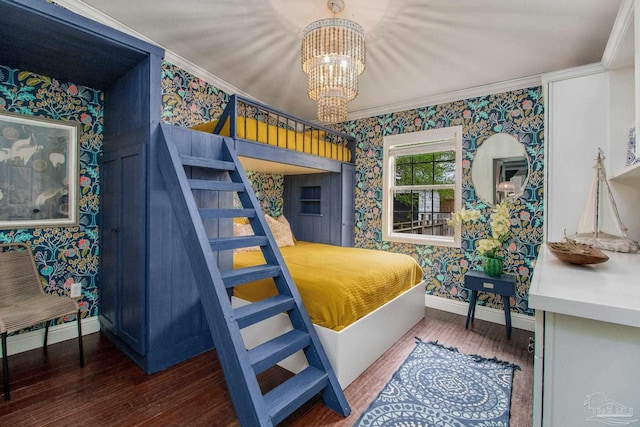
(587, 341)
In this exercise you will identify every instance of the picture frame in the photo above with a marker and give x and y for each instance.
(39, 172)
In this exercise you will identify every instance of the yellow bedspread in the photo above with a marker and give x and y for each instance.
(310, 142)
(338, 285)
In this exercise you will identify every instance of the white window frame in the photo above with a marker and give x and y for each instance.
(428, 141)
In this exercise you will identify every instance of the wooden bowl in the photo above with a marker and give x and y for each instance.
(576, 253)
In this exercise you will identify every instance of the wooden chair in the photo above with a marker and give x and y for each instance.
(23, 302)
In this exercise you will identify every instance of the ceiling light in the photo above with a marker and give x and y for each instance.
(333, 56)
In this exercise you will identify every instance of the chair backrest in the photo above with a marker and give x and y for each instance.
(18, 272)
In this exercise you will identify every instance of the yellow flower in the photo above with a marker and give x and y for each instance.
(463, 215)
(500, 224)
(502, 209)
(473, 215)
(499, 228)
(488, 245)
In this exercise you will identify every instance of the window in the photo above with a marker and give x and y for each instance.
(422, 176)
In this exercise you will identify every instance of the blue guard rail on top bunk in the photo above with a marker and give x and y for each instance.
(258, 129)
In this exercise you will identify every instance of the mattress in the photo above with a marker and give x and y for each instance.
(310, 141)
(338, 285)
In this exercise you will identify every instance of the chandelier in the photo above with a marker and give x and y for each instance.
(333, 56)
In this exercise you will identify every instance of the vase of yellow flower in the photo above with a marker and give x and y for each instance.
(488, 248)
(492, 266)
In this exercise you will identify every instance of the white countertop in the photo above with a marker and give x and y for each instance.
(609, 292)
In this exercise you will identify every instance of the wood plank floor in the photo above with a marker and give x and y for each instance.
(50, 389)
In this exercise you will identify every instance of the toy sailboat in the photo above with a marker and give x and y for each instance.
(600, 224)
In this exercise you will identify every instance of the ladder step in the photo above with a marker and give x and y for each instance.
(224, 243)
(206, 184)
(203, 162)
(271, 352)
(207, 213)
(239, 276)
(293, 393)
(255, 312)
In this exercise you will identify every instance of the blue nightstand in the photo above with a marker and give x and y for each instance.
(504, 285)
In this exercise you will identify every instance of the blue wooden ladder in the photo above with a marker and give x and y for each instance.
(241, 366)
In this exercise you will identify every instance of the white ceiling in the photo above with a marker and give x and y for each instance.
(416, 49)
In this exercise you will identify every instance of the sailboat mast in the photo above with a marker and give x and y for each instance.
(599, 184)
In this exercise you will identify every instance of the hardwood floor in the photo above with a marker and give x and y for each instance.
(50, 389)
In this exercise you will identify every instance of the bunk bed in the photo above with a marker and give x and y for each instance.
(324, 222)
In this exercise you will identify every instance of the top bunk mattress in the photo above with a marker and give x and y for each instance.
(338, 285)
(259, 123)
(309, 142)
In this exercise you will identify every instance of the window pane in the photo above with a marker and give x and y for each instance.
(405, 211)
(423, 212)
(445, 172)
(425, 157)
(425, 169)
(414, 169)
(403, 160)
(445, 155)
(403, 173)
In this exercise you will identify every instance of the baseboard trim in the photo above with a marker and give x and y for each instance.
(66, 331)
(518, 320)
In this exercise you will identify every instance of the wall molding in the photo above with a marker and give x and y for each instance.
(34, 339)
(621, 25)
(201, 73)
(571, 73)
(493, 315)
(473, 92)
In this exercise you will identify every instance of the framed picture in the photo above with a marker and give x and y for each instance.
(38, 172)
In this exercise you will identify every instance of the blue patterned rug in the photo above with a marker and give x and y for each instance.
(438, 386)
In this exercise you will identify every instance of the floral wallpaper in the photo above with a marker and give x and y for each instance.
(188, 100)
(269, 189)
(63, 255)
(519, 113)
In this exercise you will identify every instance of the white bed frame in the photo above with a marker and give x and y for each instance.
(356, 347)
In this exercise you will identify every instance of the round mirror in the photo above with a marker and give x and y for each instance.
(499, 169)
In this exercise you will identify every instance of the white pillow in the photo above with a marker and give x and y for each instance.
(282, 220)
(243, 230)
(280, 232)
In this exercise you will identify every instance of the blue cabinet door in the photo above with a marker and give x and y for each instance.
(122, 265)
